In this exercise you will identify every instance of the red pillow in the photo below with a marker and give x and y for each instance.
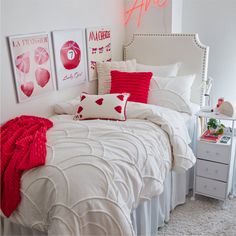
(135, 83)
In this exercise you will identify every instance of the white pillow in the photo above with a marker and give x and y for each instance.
(165, 70)
(104, 69)
(106, 106)
(67, 107)
(172, 92)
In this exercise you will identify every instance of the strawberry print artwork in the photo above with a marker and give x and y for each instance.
(22, 62)
(31, 61)
(41, 55)
(70, 55)
(42, 77)
(27, 88)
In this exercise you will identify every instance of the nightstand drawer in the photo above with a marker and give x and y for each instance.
(212, 170)
(210, 187)
(214, 152)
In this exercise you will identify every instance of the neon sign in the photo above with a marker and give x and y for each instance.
(142, 6)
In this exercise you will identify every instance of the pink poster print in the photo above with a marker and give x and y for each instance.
(31, 64)
(98, 48)
(70, 57)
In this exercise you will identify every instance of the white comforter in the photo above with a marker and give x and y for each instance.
(98, 171)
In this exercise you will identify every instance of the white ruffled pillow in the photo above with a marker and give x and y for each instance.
(172, 92)
(165, 70)
(67, 107)
(106, 106)
(104, 69)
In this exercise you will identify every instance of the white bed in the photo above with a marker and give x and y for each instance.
(142, 188)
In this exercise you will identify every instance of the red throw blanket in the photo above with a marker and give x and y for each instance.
(23, 147)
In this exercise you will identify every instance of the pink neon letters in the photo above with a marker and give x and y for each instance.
(142, 6)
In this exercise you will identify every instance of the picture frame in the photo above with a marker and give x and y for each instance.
(32, 65)
(98, 48)
(70, 57)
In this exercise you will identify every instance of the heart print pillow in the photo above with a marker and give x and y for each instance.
(106, 107)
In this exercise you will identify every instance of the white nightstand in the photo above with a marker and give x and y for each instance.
(214, 169)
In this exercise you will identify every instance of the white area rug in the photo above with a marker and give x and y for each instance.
(204, 216)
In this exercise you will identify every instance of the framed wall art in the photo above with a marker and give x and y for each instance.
(70, 57)
(98, 48)
(31, 62)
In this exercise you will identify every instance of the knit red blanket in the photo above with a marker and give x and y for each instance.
(23, 147)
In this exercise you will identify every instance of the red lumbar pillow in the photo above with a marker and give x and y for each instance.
(106, 106)
(135, 83)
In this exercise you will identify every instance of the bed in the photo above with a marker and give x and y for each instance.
(96, 181)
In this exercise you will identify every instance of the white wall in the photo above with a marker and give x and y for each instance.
(29, 16)
(215, 22)
(177, 11)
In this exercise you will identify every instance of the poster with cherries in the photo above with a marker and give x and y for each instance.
(70, 57)
(98, 48)
(31, 61)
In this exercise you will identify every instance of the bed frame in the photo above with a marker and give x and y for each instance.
(163, 49)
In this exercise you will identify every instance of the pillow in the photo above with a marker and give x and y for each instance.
(107, 107)
(172, 92)
(169, 99)
(165, 70)
(67, 107)
(104, 73)
(135, 83)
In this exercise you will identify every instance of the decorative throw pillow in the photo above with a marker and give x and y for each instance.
(135, 83)
(104, 73)
(172, 92)
(107, 107)
(165, 70)
(67, 107)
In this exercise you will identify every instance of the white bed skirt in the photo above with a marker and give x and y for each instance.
(146, 219)
(152, 214)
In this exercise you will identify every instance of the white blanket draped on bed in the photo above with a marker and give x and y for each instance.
(98, 171)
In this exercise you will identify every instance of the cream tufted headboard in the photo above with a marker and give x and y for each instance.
(163, 49)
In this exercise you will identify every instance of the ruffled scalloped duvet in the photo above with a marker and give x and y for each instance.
(98, 171)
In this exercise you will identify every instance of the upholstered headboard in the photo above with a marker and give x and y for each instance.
(163, 49)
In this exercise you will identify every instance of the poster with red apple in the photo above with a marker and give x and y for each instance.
(70, 57)
(31, 62)
(98, 48)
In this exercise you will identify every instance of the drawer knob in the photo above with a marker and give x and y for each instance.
(216, 171)
(214, 188)
(207, 152)
(207, 169)
(217, 153)
(205, 186)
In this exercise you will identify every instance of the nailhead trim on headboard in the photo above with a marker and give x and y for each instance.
(195, 40)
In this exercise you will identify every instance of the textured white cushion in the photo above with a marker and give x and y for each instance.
(172, 92)
(104, 69)
(106, 106)
(165, 70)
(67, 107)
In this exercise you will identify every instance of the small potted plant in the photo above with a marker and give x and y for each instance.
(215, 126)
